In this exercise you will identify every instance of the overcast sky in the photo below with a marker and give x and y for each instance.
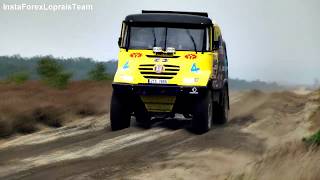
(274, 40)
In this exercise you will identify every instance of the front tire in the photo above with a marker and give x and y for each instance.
(120, 114)
(221, 109)
(202, 116)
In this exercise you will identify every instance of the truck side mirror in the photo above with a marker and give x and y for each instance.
(119, 41)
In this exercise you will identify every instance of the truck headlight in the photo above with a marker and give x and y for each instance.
(127, 78)
(190, 80)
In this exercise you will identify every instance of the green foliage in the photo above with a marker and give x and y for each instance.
(238, 84)
(60, 80)
(18, 78)
(98, 73)
(79, 66)
(52, 73)
(48, 68)
(314, 139)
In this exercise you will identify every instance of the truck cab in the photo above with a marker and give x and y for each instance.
(170, 62)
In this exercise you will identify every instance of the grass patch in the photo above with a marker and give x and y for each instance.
(49, 116)
(24, 108)
(18, 78)
(6, 127)
(20, 123)
(25, 124)
(314, 139)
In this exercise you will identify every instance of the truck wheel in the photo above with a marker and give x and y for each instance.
(143, 118)
(202, 116)
(119, 111)
(221, 110)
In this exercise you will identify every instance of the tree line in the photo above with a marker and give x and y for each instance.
(58, 71)
(79, 67)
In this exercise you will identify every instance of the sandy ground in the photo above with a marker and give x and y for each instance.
(87, 149)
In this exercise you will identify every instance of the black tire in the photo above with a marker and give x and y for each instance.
(120, 114)
(221, 110)
(143, 118)
(202, 115)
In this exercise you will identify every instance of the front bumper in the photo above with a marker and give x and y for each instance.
(155, 89)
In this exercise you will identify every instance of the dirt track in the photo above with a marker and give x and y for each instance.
(85, 149)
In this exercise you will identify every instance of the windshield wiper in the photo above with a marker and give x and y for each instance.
(154, 38)
(192, 39)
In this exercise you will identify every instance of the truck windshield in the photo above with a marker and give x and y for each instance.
(178, 38)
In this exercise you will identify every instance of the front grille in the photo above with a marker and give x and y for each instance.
(147, 70)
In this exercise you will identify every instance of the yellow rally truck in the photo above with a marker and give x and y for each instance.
(170, 62)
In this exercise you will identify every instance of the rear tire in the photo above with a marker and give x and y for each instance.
(120, 114)
(202, 116)
(221, 110)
